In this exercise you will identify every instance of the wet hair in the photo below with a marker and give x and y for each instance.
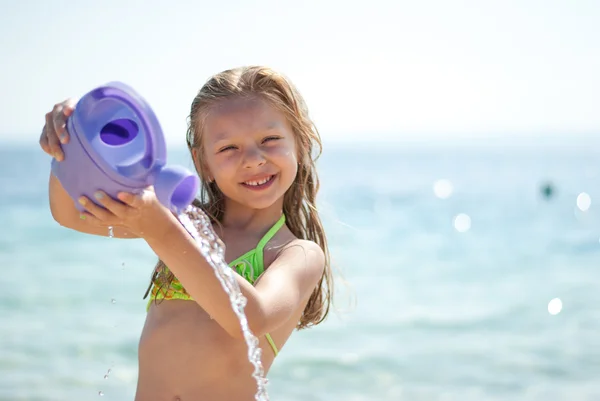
(299, 204)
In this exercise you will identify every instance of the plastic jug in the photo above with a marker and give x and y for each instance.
(117, 145)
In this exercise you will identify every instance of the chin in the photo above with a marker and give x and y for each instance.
(259, 204)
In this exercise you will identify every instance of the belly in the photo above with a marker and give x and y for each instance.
(185, 355)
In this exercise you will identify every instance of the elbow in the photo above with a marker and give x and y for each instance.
(60, 217)
(56, 215)
(60, 203)
(256, 323)
(236, 332)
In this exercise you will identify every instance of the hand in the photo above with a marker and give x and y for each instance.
(55, 132)
(140, 214)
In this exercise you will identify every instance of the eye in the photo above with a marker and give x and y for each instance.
(225, 148)
(271, 138)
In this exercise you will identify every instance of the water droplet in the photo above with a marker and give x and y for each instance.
(555, 306)
(584, 201)
(100, 393)
(113, 301)
(443, 189)
(110, 232)
(462, 223)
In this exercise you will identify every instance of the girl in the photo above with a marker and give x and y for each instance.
(251, 141)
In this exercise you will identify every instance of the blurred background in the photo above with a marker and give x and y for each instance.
(459, 187)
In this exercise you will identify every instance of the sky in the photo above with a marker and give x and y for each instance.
(369, 70)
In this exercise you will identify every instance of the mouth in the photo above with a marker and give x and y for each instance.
(261, 183)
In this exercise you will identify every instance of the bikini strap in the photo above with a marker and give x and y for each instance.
(266, 238)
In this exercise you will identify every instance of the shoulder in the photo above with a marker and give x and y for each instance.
(306, 246)
(296, 269)
(304, 255)
(289, 253)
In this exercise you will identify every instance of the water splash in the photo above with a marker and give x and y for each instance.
(212, 248)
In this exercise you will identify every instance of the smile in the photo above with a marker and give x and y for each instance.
(259, 184)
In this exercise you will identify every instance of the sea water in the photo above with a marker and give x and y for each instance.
(469, 282)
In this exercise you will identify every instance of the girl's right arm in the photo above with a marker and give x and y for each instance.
(61, 205)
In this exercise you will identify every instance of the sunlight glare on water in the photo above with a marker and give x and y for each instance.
(584, 201)
(555, 306)
(443, 189)
(462, 223)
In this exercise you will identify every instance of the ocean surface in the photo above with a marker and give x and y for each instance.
(452, 286)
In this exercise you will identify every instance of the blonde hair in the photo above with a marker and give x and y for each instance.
(299, 205)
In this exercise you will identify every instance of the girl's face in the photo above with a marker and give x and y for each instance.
(249, 151)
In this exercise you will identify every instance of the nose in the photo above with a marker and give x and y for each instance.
(253, 157)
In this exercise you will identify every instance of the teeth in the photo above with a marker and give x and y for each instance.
(255, 183)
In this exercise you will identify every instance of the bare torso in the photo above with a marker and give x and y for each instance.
(185, 355)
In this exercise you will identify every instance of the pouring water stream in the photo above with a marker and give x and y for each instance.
(212, 248)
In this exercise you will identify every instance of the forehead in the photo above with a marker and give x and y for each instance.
(242, 116)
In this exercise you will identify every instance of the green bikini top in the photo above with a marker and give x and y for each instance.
(250, 266)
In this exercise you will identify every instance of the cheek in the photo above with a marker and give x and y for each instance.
(223, 168)
(210, 166)
(287, 149)
(288, 161)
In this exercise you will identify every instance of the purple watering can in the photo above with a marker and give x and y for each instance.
(117, 145)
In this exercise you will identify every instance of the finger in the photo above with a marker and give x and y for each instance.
(53, 143)
(100, 213)
(118, 209)
(91, 219)
(132, 200)
(60, 114)
(44, 141)
(69, 107)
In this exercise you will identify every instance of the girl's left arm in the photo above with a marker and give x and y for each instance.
(288, 281)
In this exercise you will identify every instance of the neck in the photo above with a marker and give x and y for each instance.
(240, 217)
